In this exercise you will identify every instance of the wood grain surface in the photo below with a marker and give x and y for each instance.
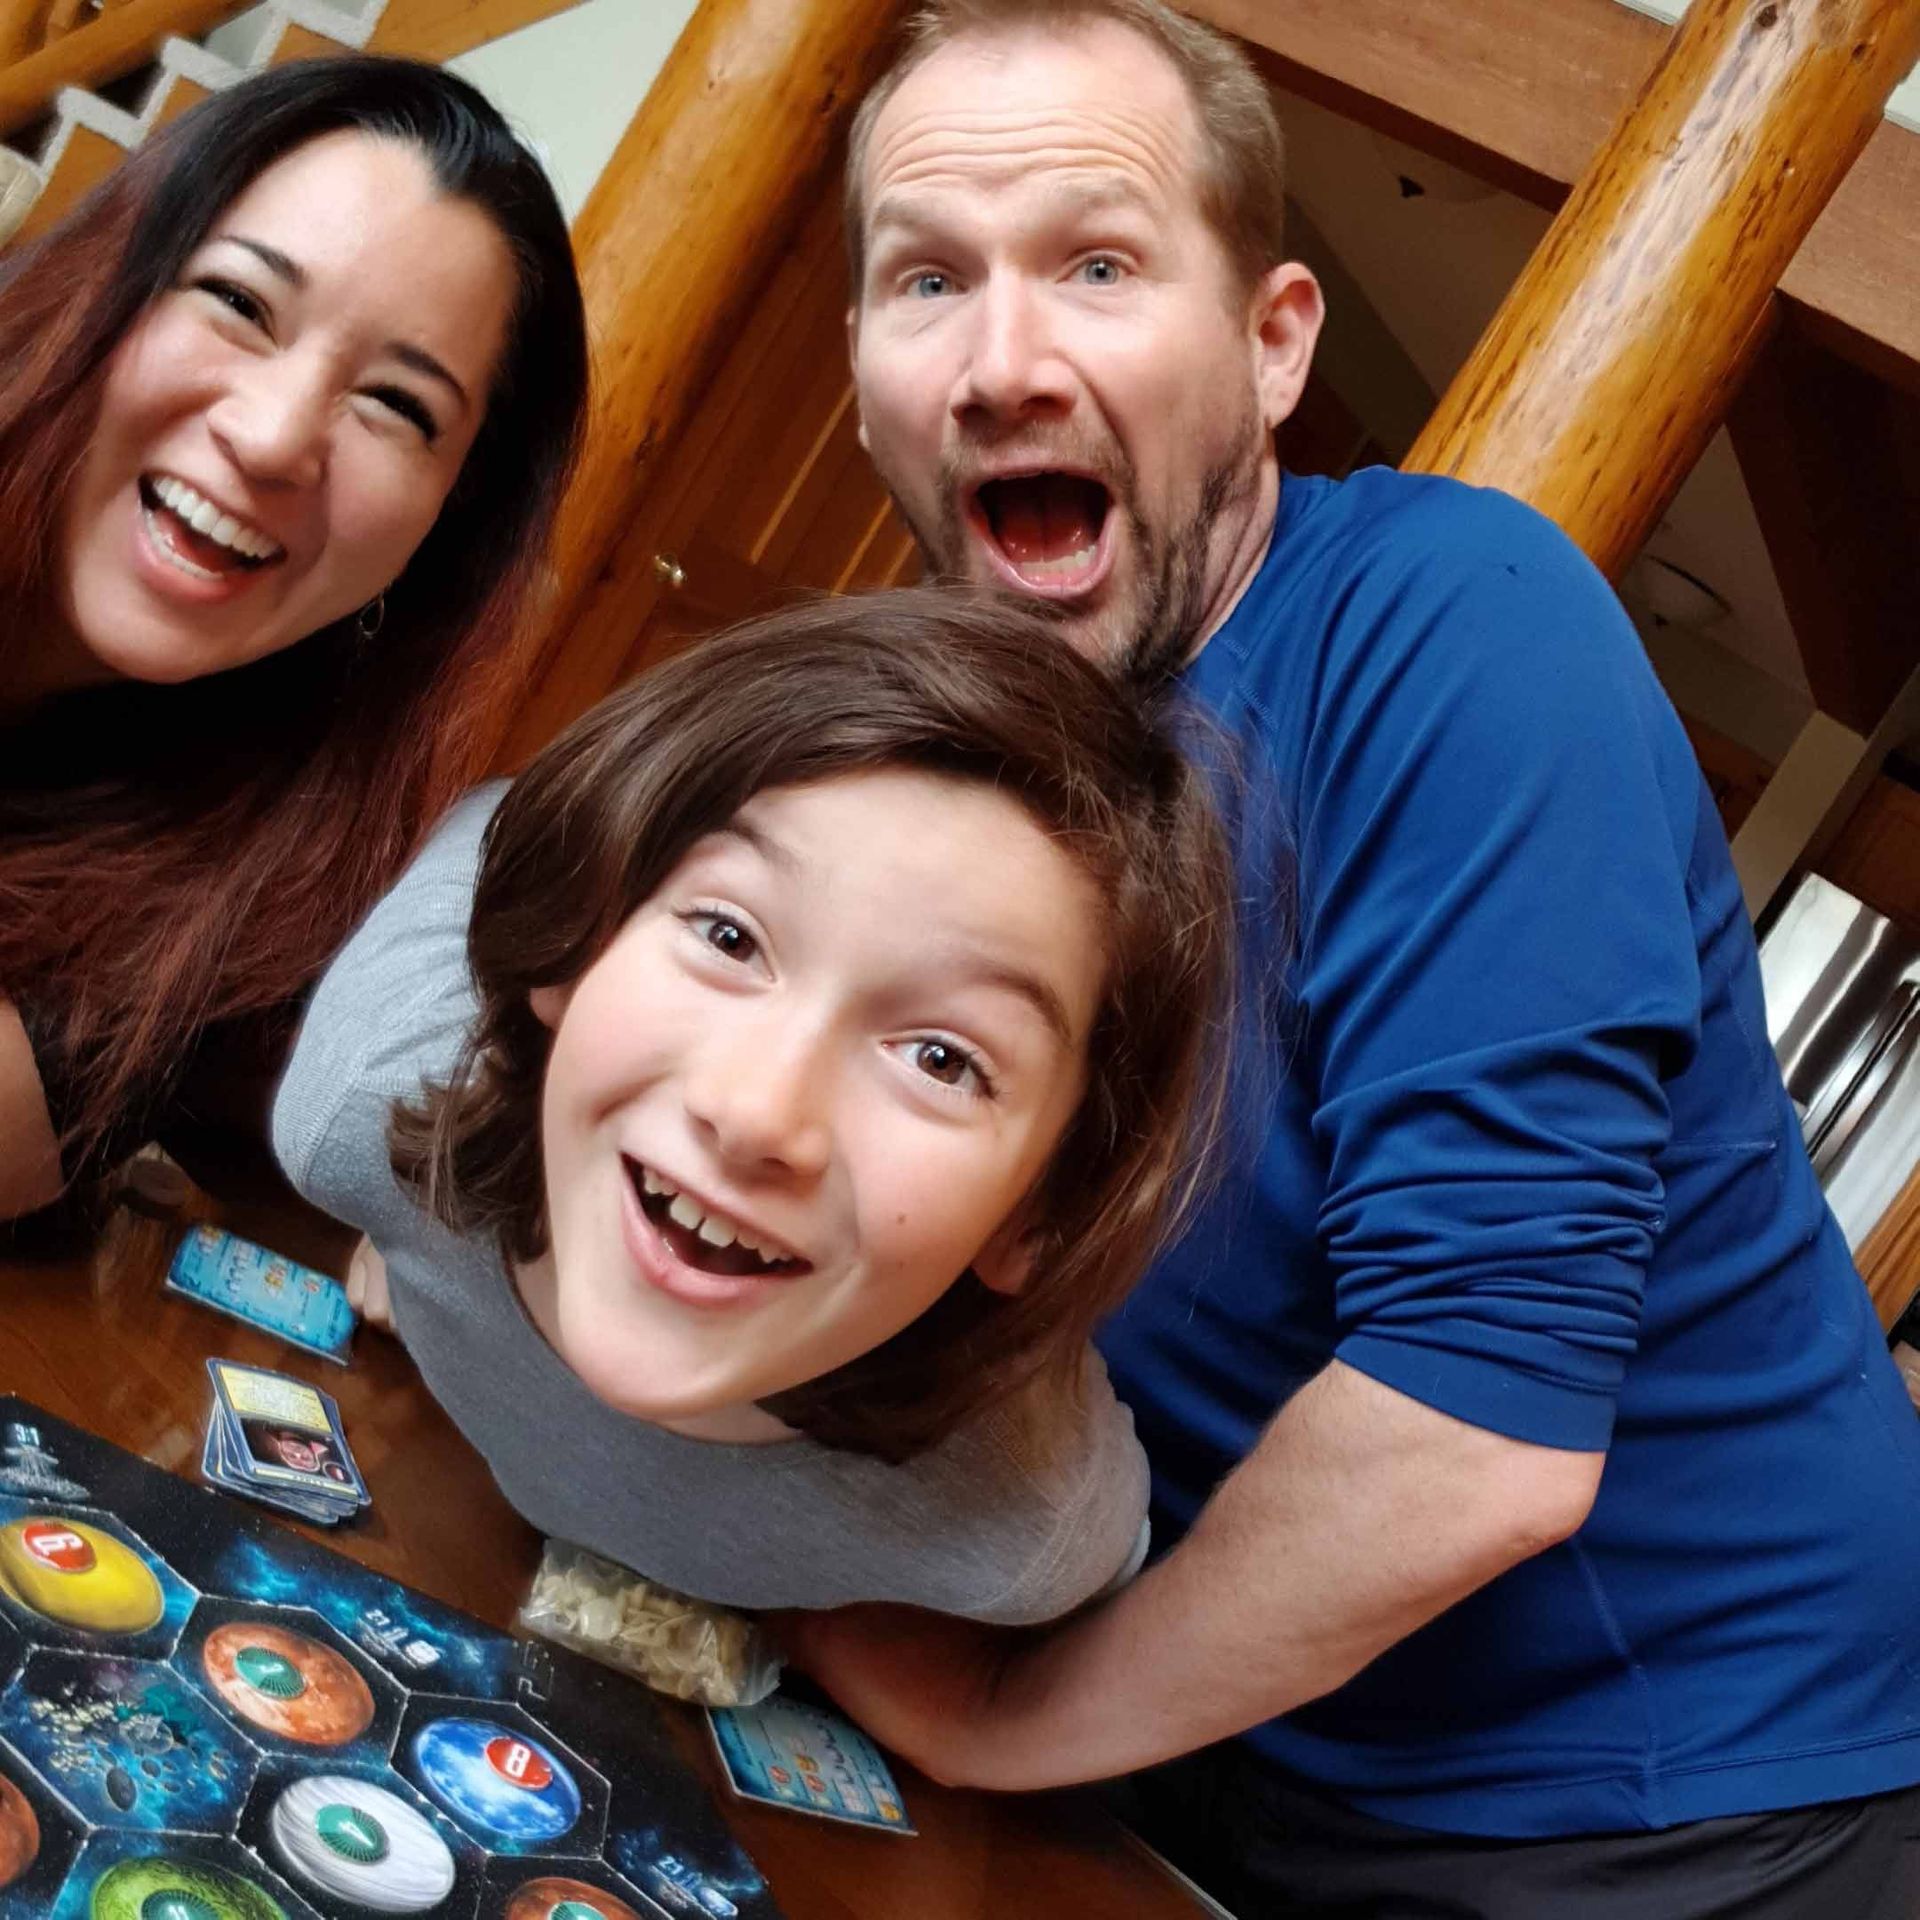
(1524, 94)
(126, 36)
(764, 494)
(1831, 459)
(95, 1341)
(678, 244)
(1618, 351)
(1889, 1257)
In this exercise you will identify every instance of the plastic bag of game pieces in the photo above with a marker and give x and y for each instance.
(686, 1648)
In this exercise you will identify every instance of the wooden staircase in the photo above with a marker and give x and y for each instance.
(87, 83)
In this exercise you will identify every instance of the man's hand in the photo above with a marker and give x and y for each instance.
(367, 1286)
(916, 1681)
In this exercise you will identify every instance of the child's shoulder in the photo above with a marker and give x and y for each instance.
(1045, 1500)
(390, 1014)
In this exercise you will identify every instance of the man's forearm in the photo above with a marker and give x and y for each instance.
(1360, 1516)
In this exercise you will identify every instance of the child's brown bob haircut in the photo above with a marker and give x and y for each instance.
(958, 686)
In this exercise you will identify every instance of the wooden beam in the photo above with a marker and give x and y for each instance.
(1508, 89)
(441, 30)
(1524, 95)
(116, 43)
(23, 28)
(1613, 359)
(1831, 460)
(125, 37)
(698, 203)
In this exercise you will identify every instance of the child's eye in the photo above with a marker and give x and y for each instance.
(234, 297)
(951, 1065)
(724, 935)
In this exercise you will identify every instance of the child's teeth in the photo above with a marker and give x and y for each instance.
(714, 1229)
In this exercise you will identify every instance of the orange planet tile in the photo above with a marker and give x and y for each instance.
(19, 1833)
(569, 1899)
(290, 1685)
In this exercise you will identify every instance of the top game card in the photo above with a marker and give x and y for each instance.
(284, 1432)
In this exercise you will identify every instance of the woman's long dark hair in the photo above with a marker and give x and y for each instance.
(175, 855)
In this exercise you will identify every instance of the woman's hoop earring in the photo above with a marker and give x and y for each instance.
(372, 617)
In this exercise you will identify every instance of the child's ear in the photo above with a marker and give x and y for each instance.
(1005, 1263)
(549, 1004)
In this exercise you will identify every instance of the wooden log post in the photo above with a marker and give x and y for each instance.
(1616, 354)
(101, 49)
(685, 225)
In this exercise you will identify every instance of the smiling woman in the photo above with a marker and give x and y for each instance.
(285, 409)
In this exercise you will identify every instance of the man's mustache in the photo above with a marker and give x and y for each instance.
(962, 472)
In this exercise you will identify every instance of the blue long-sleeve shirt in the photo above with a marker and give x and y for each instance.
(1510, 1139)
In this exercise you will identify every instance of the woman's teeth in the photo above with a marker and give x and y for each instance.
(199, 514)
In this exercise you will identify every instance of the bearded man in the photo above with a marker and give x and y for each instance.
(1537, 1507)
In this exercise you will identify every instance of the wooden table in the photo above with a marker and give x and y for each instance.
(96, 1342)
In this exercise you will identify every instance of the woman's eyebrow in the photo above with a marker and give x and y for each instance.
(421, 361)
(276, 262)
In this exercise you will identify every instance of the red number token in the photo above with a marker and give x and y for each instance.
(56, 1546)
(516, 1761)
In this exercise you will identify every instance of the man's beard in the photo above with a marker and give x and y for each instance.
(1151, 636)
(1166, 631)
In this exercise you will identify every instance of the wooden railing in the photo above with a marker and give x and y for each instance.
(26, 26)
(1619, 349)
(54, 54)
(49, 44)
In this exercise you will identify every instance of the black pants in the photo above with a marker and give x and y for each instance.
(1269, 1851)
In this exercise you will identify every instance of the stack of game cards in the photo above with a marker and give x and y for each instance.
(275, 1439)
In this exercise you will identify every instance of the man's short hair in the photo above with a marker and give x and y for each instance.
(1242, 155)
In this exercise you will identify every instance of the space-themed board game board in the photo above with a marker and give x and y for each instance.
(204, 1717)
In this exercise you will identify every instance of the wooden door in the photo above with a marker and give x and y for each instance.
(770, 496)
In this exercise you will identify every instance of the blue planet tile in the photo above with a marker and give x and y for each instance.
(496, 1781)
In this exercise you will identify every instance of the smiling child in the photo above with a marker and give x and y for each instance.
(759, 1105)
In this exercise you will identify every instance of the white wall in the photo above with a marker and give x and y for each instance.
(571, 83)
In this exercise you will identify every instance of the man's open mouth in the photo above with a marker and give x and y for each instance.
(703, 1238)
(196, 536)
(1048, 528)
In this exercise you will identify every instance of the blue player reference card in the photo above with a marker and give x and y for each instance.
(789, 1753)
(265, 1289)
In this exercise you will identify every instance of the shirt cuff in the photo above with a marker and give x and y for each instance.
(1486, 1393)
